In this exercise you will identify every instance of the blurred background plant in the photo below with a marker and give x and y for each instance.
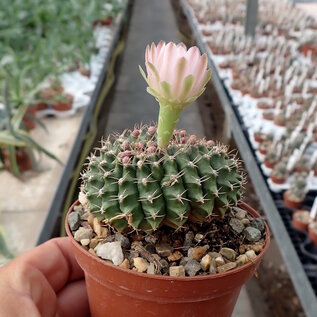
(39, 41)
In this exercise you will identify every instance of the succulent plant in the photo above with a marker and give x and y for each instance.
(131, 181)
(280, 170)
(303, 164)
(298, 189)
(154, 175)
(272, 156)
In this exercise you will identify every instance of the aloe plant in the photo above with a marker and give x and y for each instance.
(15, 137)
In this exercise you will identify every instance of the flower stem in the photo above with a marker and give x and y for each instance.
(168, 118)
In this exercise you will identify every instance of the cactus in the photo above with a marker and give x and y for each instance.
(157, 175)
(298, 188)
(131, 182)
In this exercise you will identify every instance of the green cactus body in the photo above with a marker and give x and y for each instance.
(131, 182)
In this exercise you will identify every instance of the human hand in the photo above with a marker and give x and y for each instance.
(44, 282)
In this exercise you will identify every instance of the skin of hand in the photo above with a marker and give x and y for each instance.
(44, 282)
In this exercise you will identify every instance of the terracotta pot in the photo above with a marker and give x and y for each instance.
(277, 180)
(102, 22)
(63, 105)
(23, 158)
(263, 105)
(312, 232)
(301, 220)
(269, 164)
(41, 106)
(28, 118)
(279, 122)
(85, 72)
(291, 203)
(118, 292)
(258, 138)
(268, 116)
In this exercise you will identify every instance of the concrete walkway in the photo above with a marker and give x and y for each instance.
(152, 20)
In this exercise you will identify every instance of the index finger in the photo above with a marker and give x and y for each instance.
(56, 261)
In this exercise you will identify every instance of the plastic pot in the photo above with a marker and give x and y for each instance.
(296, 204)
(63, 105)
(28, 118)
(277, 180)
(301, 220)
(118, 292)
(23, 159)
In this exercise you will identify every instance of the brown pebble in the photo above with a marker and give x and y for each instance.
(177, 244)
(125, 264)
(93, 242)
(140, 264)
(92, 251)
(198, 237)
(214, 254)
(242, 249)
(205, 262)
(197, 253)
(245, 222)
(213, 268)
(90, 220)
(219, 261)
(177, 271)
(164, 249)
(241, 260)
(226, 267)
(228, 253)
(175, 256)
(241, 214)
(257, 248)
(251, 255)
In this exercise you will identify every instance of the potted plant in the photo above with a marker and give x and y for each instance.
(295, 195)
(303, 165)
(271, 158)
(62, 102)
(265, 147)
(279, 173)
(301, 219)
(152, 198)
(16, 144)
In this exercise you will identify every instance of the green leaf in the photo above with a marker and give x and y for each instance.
(18, 116)
(23, 135)
(6, 138)
(4, 249)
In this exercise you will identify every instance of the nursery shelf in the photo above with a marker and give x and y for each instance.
(32, 205)
(299, 277)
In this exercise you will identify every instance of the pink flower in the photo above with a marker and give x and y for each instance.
(175, 76)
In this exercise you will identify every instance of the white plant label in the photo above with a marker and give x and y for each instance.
(313, 211)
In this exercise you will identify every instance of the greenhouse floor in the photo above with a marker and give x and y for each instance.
(153, 21)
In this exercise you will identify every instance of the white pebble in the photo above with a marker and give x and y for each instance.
(110, 251)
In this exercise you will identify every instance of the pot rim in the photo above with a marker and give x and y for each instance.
(234, 271)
